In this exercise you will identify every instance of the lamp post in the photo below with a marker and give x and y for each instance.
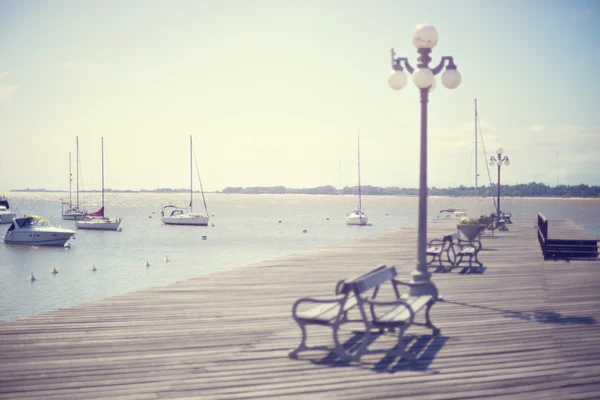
(499, 161)
(424, 37)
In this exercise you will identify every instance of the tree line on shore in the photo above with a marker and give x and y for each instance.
(532, 189)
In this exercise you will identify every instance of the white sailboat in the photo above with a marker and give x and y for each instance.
(97, 220)
(174, 215)
(73, 213)
(358, 217)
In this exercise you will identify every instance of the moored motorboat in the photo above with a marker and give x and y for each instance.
(453, 212)
(6, 216)
(36, 230)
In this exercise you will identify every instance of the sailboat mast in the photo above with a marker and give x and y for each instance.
(191, 178)
(77, 167)
(102, 172)
(476, 174)
(359, 194)
(70, 183)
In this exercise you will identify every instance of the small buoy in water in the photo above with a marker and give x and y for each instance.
(304, 231)
(35, 247)
(93, 267)
(54, 271)
(149, 216)
(327, 218)
(213, 225)
(204, 237)
(31, 278)
(147, 264)
(166, 259)
(279, 221)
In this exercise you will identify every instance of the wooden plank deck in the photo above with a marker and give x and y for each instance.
(524, 328)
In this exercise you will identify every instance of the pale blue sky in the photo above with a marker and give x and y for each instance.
(274, 92)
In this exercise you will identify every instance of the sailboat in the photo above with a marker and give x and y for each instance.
(358, 217)
(96, 220)
(174, 215)
(73, 213)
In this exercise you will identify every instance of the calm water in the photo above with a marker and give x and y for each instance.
(246, 231)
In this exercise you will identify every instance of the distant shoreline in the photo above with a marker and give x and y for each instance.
(163, 191)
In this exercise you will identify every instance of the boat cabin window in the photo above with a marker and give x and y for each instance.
(23, 222)
(176, 212)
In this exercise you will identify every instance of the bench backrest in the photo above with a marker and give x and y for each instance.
(370, 280)
(451, 237)
(543, 225)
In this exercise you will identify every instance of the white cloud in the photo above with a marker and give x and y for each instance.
(6, 91)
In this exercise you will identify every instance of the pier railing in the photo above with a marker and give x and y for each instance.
(564, 249)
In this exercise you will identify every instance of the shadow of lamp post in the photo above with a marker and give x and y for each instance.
(424, 37)
(499, 161)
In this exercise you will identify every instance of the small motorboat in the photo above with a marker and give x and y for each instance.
(6, 216)
(453, 212)
(37, 231)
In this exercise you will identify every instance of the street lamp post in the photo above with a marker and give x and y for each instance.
(499, 161)
(424, 37)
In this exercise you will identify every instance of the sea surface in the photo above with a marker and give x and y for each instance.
(247, 229)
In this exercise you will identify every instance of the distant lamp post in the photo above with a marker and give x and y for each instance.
(424, 37)
(499, 160)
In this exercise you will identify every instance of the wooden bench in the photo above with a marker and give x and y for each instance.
(466, 248)
(442, 252)
(500, 221)
(354, 294)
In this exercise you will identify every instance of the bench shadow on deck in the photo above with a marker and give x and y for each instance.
(424, 346)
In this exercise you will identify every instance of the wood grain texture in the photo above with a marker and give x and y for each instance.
(524, 328)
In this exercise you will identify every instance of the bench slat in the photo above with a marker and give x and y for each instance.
(325, 312)
(400, 313)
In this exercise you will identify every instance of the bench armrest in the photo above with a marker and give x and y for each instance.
(394, 303)
(305, 300)
(396, 283)
(476, 243)
(435, 242)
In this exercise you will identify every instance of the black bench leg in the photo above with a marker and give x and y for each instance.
(435, 330)
(302, 345)
(340, 350)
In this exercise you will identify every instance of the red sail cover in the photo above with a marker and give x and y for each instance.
(99, 213)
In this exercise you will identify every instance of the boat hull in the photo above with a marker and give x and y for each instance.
(357, 219)
(7, 217)
(99, 224)
(38, 238)
(73, 216)
(185, 220)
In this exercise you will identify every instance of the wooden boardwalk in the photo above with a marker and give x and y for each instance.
(524, 328)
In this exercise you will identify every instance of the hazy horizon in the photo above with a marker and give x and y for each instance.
(274, 93)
